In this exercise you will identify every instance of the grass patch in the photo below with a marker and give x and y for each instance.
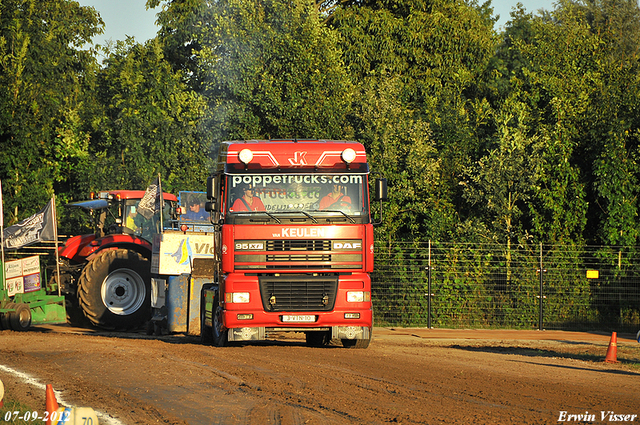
(12, 411)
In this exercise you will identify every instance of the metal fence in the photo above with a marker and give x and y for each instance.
(453, 285)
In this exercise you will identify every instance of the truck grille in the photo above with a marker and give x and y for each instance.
(298, 293)
(310, 254)
(299, 245)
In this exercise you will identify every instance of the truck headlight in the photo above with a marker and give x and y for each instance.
(358, 296)
(237, 297)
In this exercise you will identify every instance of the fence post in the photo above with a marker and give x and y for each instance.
(429, 289)
(541, 271)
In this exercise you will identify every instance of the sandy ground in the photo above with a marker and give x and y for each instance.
(407, 376)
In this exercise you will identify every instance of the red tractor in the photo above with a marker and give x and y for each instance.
(106, 276)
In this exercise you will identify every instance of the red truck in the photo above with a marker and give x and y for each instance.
(105, 276)
(293, 242)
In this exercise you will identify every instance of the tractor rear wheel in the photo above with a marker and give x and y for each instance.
(114, 290)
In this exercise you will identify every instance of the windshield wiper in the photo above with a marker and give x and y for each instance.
(273, 217)
(343, 213)
(309, 216)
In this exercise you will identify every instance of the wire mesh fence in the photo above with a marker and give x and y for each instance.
(454, 285)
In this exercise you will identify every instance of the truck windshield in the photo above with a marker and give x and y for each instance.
(308, 194)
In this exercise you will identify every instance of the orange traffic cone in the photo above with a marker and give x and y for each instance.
(51, 404)
(612, 351)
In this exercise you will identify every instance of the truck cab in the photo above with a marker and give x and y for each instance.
(293, 242)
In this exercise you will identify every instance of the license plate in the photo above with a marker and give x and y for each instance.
(298, 318)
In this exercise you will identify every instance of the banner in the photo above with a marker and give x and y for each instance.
(39, 227)
(152, 200)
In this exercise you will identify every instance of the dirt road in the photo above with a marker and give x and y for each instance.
(408, 376)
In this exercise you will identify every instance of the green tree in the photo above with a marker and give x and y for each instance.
(435, 53)
(45, 73)
(267, 69)
(500, 185)
(587, 94)
(151, 123)
(401, 147)
(616, 184)
(617, 21)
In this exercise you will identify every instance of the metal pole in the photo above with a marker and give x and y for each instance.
(161, 204)
(429, 289)
(541, 270)
(55, 237)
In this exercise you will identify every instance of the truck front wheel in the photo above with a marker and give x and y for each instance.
(220, 333)
(114, 290)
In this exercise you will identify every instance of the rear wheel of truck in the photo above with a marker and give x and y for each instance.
(114, 290)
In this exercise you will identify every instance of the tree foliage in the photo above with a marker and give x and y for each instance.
(150, 123)
(530, 134)
(46, 75)
(267, 69)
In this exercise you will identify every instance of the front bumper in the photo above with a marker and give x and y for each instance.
(261, 333)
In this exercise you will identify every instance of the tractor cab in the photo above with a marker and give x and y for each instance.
(117, 212)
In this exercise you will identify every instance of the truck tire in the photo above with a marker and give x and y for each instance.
(114, 290)
(356, 343)
(20, 319)
(219, 332)
(206, 332)
(318, 339)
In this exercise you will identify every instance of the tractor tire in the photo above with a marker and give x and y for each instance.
(75, 315)
(114, 290)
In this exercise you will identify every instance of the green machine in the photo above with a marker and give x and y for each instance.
(23, 300)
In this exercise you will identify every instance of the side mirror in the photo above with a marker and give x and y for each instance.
(381, 190)
(211, 187)
(380, 195)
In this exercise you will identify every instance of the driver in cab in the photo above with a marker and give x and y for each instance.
(336, 199)
(247, 201)
(134, 222)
